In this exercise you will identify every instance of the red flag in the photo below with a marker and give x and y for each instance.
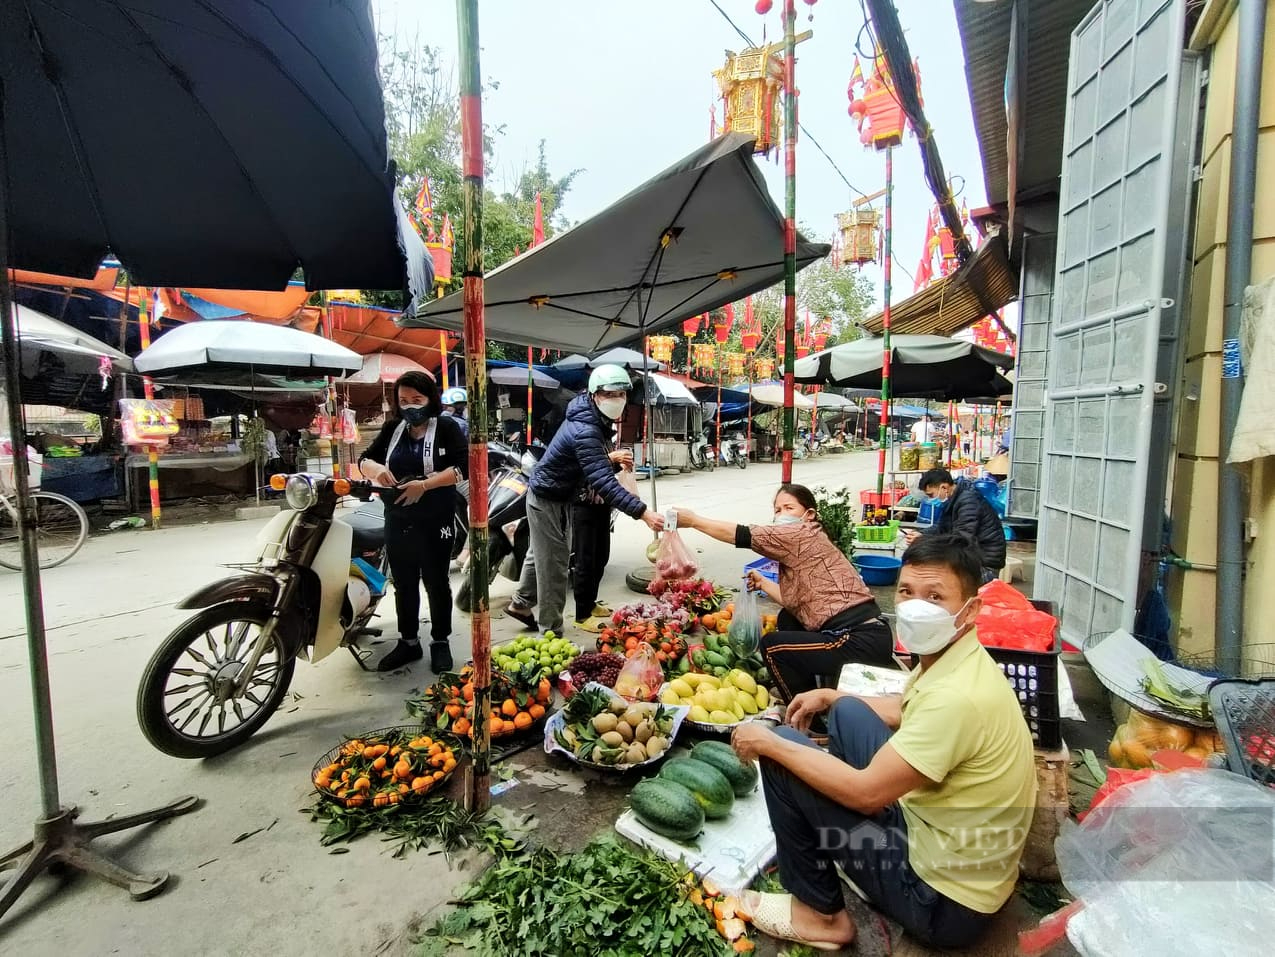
(538, 224)
(424, 202)
(449, 237)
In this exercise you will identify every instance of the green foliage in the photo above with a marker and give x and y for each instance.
(835, 510)
(422, 118)
(605, 901)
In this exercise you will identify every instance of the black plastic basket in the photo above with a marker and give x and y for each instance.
(1034, 678)
(1244, 710)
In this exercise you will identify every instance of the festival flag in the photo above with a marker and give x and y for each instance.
(538, 224)
(856, 74)
(424, 202)
(449, 236)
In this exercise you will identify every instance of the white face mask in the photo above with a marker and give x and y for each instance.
(925, 628)
(612, 408)
(787, 519)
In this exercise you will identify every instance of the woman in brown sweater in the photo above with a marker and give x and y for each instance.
(829, 617)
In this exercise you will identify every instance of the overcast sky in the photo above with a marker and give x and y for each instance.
(623, 89)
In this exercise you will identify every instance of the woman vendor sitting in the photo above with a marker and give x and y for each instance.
(829, 617)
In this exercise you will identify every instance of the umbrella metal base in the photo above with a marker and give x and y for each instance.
(639, 578)
(60, 842)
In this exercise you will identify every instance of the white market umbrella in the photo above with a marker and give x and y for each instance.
(240, 344)
(517, 375)
(831, 402)
(81, 353)
(667, 391)
(772, 394)
(626, 359)
(381, 367)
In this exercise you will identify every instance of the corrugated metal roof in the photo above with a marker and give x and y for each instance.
(984, 29)
(980, 287)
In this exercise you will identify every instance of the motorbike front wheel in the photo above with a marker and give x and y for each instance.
(741, 460)
(186, 705)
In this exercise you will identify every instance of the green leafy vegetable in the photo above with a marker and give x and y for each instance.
(605, 901)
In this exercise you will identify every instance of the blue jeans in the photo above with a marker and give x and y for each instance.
(813, 832)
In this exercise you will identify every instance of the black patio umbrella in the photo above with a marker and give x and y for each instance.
(220, 144)
(921, 367)
(701, 234)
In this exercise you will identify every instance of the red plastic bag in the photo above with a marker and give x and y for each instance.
(673, 559)
(1009, 620)
(1116, 779)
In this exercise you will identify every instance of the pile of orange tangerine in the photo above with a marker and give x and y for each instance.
(386, 770)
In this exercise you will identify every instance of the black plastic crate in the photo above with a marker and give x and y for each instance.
(1034, 677)
(1244, 711)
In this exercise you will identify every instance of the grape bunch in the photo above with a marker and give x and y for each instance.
(596, 666)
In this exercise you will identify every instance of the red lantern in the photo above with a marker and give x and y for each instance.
(750, 341)
(763, 7)
(690, 328)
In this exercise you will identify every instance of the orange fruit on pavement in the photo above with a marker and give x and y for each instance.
(468, 693)
(403, 789)
(381, 800)
(362, 784)
(449, 767)
(537, 711)
(461, 726)
(402, 769)
(509, 707)
(730, 608)
(421, 784)
(355, 800)
(522, 721)
(453, 710)
(544, 691)
(378, 764)
(723, 627)
(434, 749)
(709, 621)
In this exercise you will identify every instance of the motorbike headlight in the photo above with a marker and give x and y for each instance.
(299, 492)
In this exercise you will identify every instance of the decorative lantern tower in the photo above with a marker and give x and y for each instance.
(662, 347)
(750, 84)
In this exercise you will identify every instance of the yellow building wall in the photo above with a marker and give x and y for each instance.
(1193, 503)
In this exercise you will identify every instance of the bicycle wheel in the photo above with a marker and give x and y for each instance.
(60, 529)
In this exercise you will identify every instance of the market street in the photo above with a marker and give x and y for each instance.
(276, 890)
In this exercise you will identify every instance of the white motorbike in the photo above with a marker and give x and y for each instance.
(313, 588)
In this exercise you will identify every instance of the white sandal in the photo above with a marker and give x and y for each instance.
(773, 917)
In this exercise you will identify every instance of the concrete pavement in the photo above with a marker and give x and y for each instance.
(278, 891)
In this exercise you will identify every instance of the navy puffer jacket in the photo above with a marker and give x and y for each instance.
(578, 455)
(968, 513)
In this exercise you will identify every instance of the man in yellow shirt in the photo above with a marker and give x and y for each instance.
(924, 799)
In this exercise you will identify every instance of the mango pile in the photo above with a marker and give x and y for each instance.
(712, 700)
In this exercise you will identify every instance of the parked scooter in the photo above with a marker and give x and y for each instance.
(314, 587)
(499, 457)
(509, 537)
(735, 450)
(700, 453)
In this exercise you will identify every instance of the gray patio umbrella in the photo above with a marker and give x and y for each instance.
(921, 367)
(701, 234)
(831, 402)
(78, 352)
(263, 152)
(629, 359)
(517, 375)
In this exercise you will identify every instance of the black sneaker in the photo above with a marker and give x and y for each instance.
(525, 618)
(440, 657)
(403, 653)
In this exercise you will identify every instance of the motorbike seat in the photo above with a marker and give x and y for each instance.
(368, 523)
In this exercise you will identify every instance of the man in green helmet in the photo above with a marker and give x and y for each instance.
(579, 455)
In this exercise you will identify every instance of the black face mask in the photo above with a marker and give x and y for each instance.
(415, 415)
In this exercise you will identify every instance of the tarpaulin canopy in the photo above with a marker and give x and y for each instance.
(921, 367)
(984, 284)
(666, 391)
(708, 393)
(699, 235)
(230, 93)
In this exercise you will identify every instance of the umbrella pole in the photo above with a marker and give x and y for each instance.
(148, 389)
(529, 381)
(718, 451)
(478, 774)
(885, 320)
(790, 230)
(646, 414)
(442, 352)
(334, 446)
(57, 838)
(749, 441)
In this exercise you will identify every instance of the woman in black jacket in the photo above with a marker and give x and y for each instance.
(423, 455)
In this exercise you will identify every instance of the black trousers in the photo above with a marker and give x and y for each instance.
(803, 660)
(813, 832)
(590, 552)
(419, 549)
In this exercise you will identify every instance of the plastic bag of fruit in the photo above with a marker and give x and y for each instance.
(673, 559)
(641, 676)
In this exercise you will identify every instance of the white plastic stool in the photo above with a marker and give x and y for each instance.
(1013, 569)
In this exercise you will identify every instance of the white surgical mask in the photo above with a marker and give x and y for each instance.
(786, 519)
(925, 628)
(612, 408)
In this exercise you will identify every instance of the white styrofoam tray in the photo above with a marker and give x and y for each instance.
(733, 850)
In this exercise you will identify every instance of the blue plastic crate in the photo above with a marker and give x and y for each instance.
(768, 567)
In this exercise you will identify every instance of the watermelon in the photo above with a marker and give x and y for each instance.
(710, 787)
(667, 808)
(742, 776)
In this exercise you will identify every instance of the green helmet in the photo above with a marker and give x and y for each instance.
(610, 378)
